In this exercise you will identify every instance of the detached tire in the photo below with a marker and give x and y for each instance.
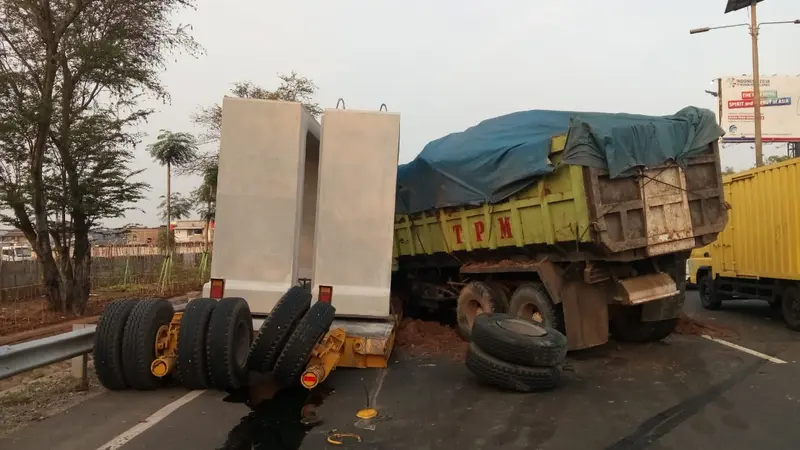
(515, 377)
(277, 327)
(627, 326)
(139, 341)
(519, 341)
(230, 332)
(107, 351)
(297, 351)
(531, 301)
(192, 364)
(476, 298)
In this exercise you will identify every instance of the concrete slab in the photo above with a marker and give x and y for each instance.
(355, 210)
(260, 229)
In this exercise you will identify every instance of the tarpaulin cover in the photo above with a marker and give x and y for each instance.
(501, 156)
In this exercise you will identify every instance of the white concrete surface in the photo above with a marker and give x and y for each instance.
(355, 210)
(260, 190)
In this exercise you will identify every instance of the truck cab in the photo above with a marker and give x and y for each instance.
(17, 253)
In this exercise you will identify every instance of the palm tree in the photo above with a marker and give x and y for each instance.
(173, 150)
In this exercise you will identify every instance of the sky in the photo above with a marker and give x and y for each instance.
(447, 65)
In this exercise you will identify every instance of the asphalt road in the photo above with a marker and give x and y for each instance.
(684, 393)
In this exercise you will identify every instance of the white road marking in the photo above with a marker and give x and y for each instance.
(746, 350)
(156, 417)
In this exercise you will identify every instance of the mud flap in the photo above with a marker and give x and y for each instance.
(669, 308)
(585, 314)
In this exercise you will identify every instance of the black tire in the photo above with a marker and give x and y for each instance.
(502, 294)
(139, 341)
(476, 298)
(627, 326)
(192, 364)
(708, 296)
(277, 328)
(790, 308)
(297, 351)
(502, 374)
(532, 301)
(230, 333)
(107, 351)
(519, 341)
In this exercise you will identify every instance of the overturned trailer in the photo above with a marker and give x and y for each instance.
(582, 221)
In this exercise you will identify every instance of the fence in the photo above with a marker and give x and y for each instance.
(21, 281)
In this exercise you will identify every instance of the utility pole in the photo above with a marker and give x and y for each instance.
(756, 86)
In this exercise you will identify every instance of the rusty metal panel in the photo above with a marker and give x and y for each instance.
(645, 288)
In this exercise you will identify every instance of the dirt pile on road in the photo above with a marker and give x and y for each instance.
(421, 338)
(691, 326)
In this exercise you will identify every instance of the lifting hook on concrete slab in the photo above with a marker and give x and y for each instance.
(383, 108)
(341, 100)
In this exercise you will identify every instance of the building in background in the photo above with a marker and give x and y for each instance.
(188, 231)
(13, 237)
(142, 235)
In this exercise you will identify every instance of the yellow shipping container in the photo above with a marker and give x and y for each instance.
(758, 254)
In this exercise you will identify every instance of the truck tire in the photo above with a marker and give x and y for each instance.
(230, 332)
(627, 326)
(532, 301)
(192, 364)
(107, 350)
(297, 351)
(501, 295)
(519, 341)
(139, 341)
(475, 298)
(708, 295)
(790, 308)
(277, 327)
(502, 374)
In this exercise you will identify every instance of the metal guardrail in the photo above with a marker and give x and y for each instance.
(19, 358)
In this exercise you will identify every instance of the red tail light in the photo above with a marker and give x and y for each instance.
(217, 288)
(325, 294)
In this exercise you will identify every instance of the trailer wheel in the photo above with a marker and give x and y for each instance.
(230, 332)
(276, 329)
(519, 341)
(192, 364)
(790, 307)
(501, 295)
(532, 301)
(107, 351)
(506, 375)
(708, 296)
(297, 351)
(475, 298)
(627, 326)
(139, 341)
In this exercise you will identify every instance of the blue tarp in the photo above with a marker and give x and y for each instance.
(501, 156)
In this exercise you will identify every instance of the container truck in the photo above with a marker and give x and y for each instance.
(757, 256)
(582, 221)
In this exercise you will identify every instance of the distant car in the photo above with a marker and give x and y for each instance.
(17, 253)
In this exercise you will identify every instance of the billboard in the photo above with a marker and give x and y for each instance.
(780, 109)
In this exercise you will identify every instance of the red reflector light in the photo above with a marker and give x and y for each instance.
(217, 288)
(325, 294)
(309, 379)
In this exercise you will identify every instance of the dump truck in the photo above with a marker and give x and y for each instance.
(756, 256)
(581, 221)
(322, 242)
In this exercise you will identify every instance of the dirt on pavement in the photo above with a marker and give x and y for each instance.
(691, 326)
(420, 338)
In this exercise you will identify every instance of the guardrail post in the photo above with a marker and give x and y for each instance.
(80, 364)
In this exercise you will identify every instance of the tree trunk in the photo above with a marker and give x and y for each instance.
(169, 209)
(82, 267)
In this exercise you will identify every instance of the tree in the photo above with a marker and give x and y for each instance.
(181, 208)
(205, 199)
(173, 150)
(71, 73)
(729, 171)
(775, 159)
